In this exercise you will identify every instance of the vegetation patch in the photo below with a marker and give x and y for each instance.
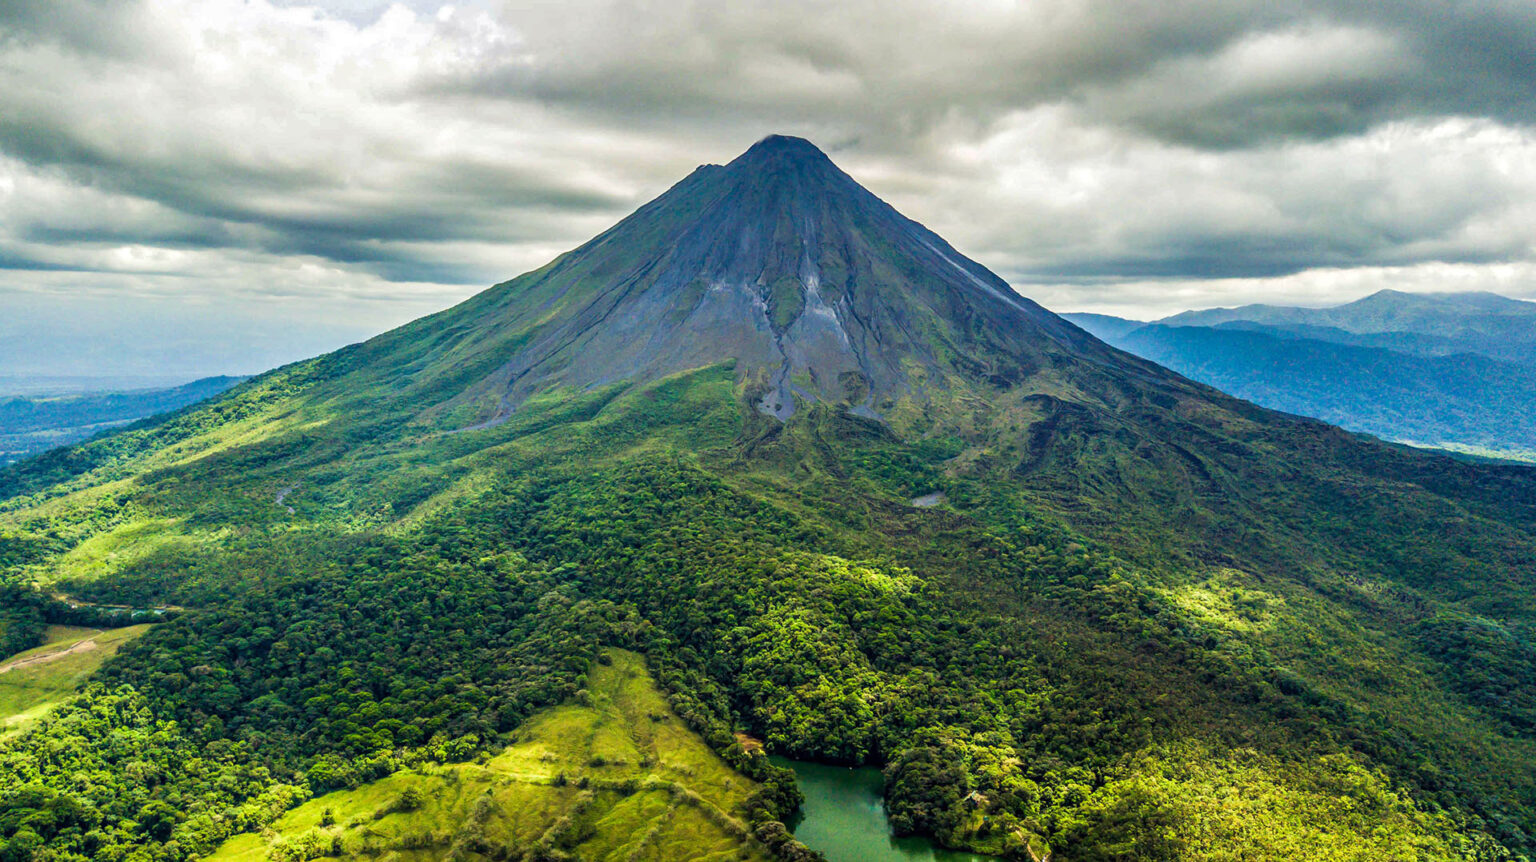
(35, 681)
(613, 774)
(786, 299)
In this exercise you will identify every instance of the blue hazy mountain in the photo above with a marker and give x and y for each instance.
(32, 423)
(1424, 324)
(1454, 370)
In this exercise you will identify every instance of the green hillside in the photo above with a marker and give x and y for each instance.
(1144, 620)
(35, 681)
(612, 775)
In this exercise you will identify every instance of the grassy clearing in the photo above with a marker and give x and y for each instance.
(111, 550)
(38, 679)
(613, 775)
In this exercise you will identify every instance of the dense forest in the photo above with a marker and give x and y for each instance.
(1022, 682)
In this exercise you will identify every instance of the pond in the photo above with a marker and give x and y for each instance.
(844, 818)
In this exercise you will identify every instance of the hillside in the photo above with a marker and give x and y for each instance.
(36, 680)
(1465, 401)
(1140, 618)
(613, 775)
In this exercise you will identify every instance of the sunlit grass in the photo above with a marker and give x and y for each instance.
(31, 688)
(613, 775)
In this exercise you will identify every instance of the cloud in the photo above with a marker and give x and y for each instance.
(366, 160)
(1098, 209)
(1211, 74)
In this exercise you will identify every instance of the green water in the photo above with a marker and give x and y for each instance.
(844, 818)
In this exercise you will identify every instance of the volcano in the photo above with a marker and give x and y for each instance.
(819, 291)
(847, 497)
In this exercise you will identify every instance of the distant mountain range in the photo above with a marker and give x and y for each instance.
(34, 423)
(1424, 324)
(1446, 369)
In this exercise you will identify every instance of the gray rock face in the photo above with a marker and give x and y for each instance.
(818, 289)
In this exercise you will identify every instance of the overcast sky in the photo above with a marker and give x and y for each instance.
(201, 186)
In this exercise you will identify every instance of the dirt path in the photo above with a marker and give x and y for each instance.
(81, 646)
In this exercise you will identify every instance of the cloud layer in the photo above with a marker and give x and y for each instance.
(354, 164)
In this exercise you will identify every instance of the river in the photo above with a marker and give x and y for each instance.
(844, 818)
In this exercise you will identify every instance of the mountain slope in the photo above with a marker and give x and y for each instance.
(700, 437)
(1465, 400)
(815, 287)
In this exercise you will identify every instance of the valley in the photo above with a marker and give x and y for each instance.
(1448, 371)
(33, 421)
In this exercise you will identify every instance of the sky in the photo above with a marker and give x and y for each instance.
(193, 187)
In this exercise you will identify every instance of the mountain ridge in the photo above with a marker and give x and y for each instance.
(1399, 372)
(1429, 324)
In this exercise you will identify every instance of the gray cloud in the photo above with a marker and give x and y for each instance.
(1338, 69)
(99, 27)
(1214, 74)
(381, 160)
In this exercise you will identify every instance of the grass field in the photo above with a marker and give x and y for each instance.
(33, 682)
(613, 776)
